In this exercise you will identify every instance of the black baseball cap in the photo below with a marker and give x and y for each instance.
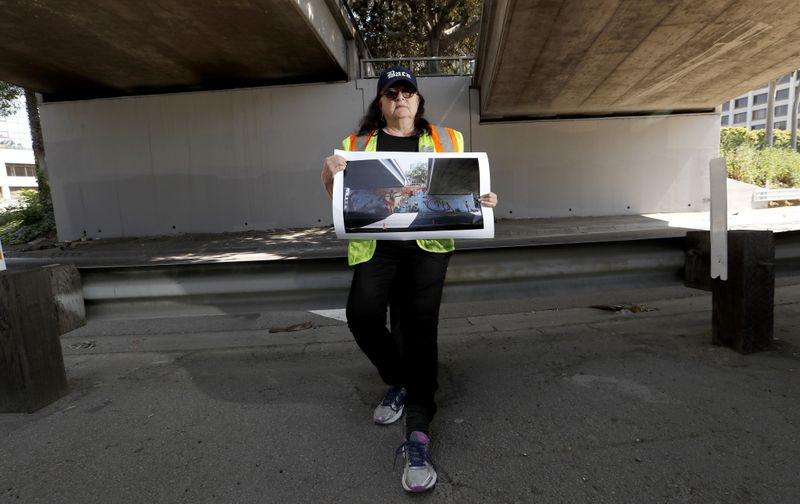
(394, 74)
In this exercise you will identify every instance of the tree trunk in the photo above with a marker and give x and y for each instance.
(432, 67)
(32, 105)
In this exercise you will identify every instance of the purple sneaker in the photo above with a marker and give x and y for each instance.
(391, 408)
(419, 473)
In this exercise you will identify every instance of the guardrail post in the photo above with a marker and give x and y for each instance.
(743, 305)
(36, 307)
(698, 261)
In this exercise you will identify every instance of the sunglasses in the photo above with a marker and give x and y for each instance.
(393, 93)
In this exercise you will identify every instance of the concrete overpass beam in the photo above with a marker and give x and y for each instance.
(75, 50)
(577, 58)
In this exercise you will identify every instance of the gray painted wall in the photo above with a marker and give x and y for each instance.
(250, 159)
(590, 167)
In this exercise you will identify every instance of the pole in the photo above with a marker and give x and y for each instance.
(718, 178)
(770, 112)
(793, 113)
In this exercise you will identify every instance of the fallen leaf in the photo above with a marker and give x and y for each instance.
(83, 344)
(625, 308)
(292, 328)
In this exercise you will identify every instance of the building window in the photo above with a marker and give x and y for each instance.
(724, 120)
(757, 126)
(759, 114)
(782, 94)
(760, 99)
(781, 110)
(740, 117)
(780, 125)
(726, 105)
(785, 79)
(20, 170)
(740, 102)
(15, 191)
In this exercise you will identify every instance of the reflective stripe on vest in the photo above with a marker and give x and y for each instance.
(446, 144)
(355, 142)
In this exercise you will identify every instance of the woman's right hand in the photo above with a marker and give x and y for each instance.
(330, 167)
(334, 164)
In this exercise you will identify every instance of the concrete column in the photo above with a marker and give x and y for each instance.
(749, 110)
(4, 187)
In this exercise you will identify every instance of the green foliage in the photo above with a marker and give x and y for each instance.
(418, 27)
(750, 160)
(8, 96)
(730, 138)
(418, 175)
(31, 219)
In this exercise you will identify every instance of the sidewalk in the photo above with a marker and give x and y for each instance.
(541, 400)
(322, 242)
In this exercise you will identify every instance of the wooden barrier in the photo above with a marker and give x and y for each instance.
(743, 305)
(36, 307)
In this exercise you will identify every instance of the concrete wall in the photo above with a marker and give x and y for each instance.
(591, 167)
(250, 159)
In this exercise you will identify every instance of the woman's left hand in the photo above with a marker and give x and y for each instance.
(488, 200)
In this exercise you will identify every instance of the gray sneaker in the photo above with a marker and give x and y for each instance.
(391, 408)
(419, 473)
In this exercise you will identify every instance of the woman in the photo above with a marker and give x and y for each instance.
(406, 274)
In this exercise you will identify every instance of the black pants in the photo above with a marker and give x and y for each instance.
(411, 279)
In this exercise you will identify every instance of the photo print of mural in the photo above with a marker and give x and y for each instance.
(420, 194)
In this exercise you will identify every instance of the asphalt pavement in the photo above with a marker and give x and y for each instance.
(542, 400)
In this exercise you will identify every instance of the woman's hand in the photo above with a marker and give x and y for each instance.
(488, 200)
(330, 167)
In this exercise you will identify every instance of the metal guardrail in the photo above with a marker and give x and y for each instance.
(432, 66)
(763, 195)
(474, 275)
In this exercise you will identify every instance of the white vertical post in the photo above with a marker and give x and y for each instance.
(2, 258)
(719, 218)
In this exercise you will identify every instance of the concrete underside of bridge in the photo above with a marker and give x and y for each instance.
(74, 49)
(545, 58)
(537, 58)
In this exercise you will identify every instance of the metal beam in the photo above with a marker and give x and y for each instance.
(474, 275)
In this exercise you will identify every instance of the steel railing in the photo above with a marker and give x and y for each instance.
(762, 195)
(501, 273)
(430, 66)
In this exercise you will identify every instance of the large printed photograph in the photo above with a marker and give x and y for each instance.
(391, 195)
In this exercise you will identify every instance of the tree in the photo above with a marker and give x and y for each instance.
(418, 27)
(35, 217)
(418, 175)
(8, 96)
(32, 106)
